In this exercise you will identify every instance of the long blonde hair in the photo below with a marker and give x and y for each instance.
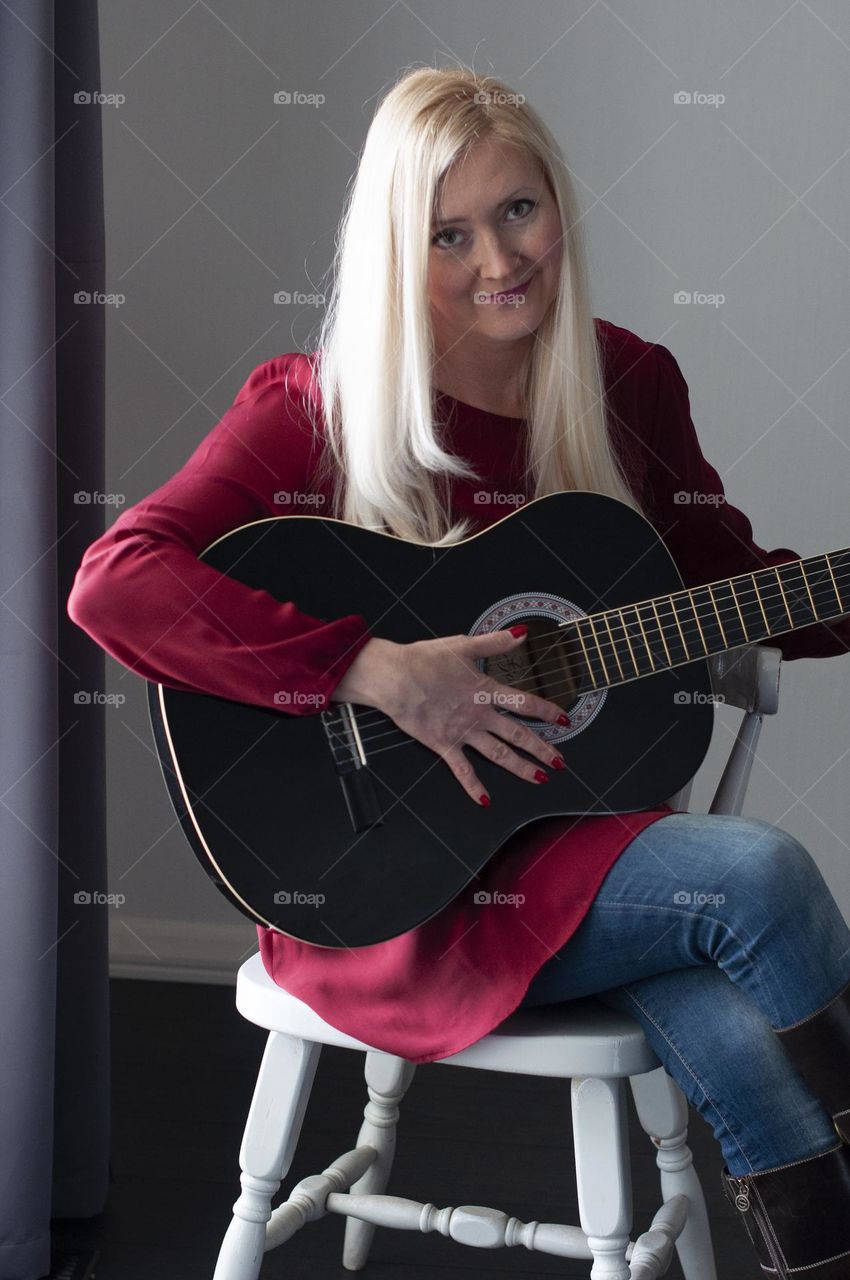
(375, 347)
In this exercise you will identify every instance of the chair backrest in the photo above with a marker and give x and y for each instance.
(745, 677)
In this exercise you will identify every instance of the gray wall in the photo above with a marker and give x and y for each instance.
(747, 199)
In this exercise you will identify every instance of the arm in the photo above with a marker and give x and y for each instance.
(144, 596)
(711, 539)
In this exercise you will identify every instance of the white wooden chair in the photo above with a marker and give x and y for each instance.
(595, 1047)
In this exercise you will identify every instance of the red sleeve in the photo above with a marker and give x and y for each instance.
(144, 596)
(711, 539)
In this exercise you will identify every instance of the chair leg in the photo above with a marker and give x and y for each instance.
(387, 1080)
(662, 1110)
(271, 1136)
(603, 1173)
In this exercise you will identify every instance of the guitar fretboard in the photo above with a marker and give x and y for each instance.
(617, 645)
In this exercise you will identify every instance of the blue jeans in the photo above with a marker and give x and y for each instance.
(712, 930)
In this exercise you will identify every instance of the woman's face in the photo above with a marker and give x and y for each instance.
(497, 226)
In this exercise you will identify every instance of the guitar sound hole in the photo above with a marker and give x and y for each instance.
(543, 664)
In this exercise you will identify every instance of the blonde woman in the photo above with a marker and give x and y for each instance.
(458, 368)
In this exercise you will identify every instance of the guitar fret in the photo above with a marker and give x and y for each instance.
(694, 622)
(587, 661)
(645, 639)
(679, 625)
(661, 632)
(614, 646)
(717, 611)
(628, 641)
(759, 602)
(599, 649)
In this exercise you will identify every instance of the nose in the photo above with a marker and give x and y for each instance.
(497, 263)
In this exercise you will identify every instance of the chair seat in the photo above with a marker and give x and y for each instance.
(577, 1038)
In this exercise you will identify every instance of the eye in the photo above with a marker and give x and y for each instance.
(449, 231)
(524, 200)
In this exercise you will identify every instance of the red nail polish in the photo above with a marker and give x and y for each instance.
(540, 776)
(558, 763)
(518, 630)
(484, 800)
(564, 719)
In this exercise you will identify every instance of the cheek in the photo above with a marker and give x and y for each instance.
(447, 281)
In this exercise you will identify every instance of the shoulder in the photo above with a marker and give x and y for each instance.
(287, 380)
(631, 362)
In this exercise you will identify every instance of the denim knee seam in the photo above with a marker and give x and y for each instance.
(754, 960)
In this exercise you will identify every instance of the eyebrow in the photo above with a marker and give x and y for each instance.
(442, 222)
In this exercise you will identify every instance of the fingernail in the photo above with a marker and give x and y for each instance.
(564, 719)
(518, 630)
(484, 800)
(557, 762)
(540, 776)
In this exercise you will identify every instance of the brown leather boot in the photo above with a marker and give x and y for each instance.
(819, 1047)
(798, 1215)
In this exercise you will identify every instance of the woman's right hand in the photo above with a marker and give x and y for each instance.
(434, 692)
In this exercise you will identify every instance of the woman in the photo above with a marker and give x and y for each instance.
(459, 368)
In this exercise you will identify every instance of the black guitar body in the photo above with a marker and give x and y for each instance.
(302, 835)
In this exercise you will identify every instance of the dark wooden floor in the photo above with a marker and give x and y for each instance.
(184, 1065)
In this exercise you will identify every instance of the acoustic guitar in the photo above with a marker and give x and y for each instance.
(333, 826)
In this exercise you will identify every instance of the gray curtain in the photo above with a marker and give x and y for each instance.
(54, 1044)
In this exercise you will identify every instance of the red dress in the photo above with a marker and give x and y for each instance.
(143, 595)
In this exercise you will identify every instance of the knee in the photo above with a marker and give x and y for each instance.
(771, 865)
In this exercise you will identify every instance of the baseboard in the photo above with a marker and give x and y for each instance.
(166, 950)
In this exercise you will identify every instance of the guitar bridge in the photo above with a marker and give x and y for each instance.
(352, 766)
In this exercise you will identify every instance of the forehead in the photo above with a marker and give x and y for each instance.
(482, 174)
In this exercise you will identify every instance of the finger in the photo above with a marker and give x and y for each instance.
(462, 769)
(520, 736)
(492, 642)
(507, 697)
(497, 750)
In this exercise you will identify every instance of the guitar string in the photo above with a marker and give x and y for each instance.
(574, 649)
(375, 716)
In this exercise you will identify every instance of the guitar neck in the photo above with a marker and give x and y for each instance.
(617, 645)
